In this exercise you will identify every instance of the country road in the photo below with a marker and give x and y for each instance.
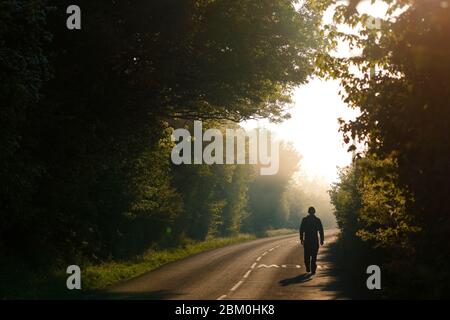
(269, 268)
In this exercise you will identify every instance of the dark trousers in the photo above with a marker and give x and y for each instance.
(310, 251)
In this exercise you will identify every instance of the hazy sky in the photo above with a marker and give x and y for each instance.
(313, 128)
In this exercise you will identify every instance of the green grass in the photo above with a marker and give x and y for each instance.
(103, 275)
(280, 232)
(22, 283)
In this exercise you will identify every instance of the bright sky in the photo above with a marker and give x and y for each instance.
(313, 128)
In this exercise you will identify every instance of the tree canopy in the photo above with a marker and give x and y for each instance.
(86, 117)
(402, 90)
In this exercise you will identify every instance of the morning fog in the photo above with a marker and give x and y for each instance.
(262, 149)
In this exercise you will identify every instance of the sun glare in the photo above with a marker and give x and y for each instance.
(313, 128)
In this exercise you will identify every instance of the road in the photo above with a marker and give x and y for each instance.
(268, 268)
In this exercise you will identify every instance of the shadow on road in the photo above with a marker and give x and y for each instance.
(298, 279)
(350, 282)
(335, 280)
(330, 281)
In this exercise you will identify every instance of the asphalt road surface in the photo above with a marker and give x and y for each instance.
(269, 268)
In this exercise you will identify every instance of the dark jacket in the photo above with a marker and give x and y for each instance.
(310, 226)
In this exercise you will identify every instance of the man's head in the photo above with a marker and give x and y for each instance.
(311, 210)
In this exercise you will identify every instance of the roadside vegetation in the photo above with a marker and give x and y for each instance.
(86, 123)
(86, 120)
(96, 277)
(391, 203)
(100, 276)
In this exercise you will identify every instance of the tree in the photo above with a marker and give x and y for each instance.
(86, 117)
(402, 90)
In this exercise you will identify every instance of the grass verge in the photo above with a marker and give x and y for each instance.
(280, 232)
(22, 283)
(103, 275)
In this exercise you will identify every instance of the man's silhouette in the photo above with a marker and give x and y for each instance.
(311, 225)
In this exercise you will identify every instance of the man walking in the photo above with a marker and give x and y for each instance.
(310, 226)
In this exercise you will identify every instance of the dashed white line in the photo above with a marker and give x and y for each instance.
(247, 273)
(236, 285)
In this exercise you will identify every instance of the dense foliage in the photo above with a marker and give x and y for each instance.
(400, 186)
(86, 117)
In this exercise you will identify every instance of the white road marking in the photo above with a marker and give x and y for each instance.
(266, 266)
(236, 286)
(291, 266)
(250, 270)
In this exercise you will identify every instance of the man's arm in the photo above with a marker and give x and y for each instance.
(322, 237)
(302, 231)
